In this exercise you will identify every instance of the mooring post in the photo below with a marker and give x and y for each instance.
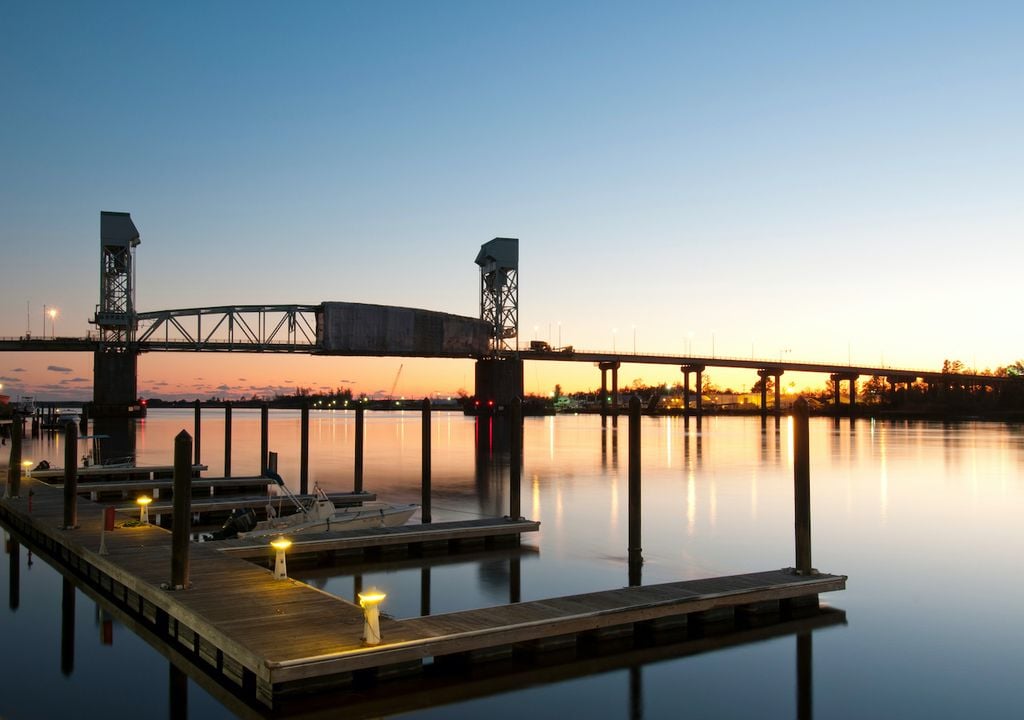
(70, 476)
(304, 449)
(14, 466)
(802, 486)
(197, 433)
(264, 435)
(635, 509)
(84, 422)
(425, 504)
(358, 475)
(181, 522)
(227, 440)
(515, 458)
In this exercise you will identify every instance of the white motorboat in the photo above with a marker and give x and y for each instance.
(313, 514)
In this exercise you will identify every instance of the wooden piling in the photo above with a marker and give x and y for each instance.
(70, 475)
(515, 458)
(14, 466)
(227, 440)
(802, 486)
(197, 433)
(264, 435)
(84, 422)
(304, 449)
(635, 509)
(425, 504)
(358, 474)
(181, 527)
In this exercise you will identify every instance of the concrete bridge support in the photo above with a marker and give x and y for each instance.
(699, 370)
(115, 386)
(837, 379)
(614, 366)
(776, 375)
(499, 380)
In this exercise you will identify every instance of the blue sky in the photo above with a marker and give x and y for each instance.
(832, 179)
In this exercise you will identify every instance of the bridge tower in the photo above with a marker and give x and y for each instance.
(115, 363)
(499, 378)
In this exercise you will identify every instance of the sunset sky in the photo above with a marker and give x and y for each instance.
(824, 181)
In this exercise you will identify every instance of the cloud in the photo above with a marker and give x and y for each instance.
(17, 369)
(58, 368)
(73, 380)
(225, 388)
(242, 380)
(4, 378)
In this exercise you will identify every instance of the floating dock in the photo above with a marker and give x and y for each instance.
(271, 638)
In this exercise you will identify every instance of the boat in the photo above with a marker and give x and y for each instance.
(95, 457)
(312, 514)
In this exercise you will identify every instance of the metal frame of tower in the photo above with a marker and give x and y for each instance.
(499, 291)
(115, 315)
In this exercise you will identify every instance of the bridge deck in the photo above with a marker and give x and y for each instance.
(271, 636)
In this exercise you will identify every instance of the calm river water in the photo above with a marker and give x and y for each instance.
(926, 519)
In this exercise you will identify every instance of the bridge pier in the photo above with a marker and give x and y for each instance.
(115, 385)
(776, 375)
(498, 381)
(614, 366)
(699, 370)
(837, 379)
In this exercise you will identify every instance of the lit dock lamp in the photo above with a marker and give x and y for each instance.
(370, 601)
(144, 501)
(26, 468)
(280, 566)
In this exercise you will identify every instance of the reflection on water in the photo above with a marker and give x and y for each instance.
(901, 507)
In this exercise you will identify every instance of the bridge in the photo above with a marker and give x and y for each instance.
(358, 329)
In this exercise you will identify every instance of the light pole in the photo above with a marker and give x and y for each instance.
(634, 339)
(615, 332)
(559, 334)
(53, 324)
(44, 322)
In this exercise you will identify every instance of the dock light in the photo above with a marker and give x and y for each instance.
(144, 501)
(280, 566)
(370, 601)
(26, 468)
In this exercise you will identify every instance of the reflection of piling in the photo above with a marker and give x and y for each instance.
(227, 440)
(635, 554)
(177, 692)
(14, 573)
(181, 527)
(802, 486)
(264, 435)
(304, 449)
(67, 628)
(804, 676)
(358, 474)
(84, 420)
(70, 475)
(197, 433)
(426, 461)
(14, 466)
(425, 591)
(515, 580)
(515, 458)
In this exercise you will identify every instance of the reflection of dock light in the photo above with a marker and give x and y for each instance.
(280, 566)
(369, 601)
(144, 501)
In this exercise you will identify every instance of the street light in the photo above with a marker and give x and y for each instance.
(53, 324)
(634, 339)
(615, 332)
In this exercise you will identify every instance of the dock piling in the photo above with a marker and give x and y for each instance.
(70, 476)
(304, 449)
(635, 510)
(516, 458)
(264, 435)
(14, 466)
(425, 505)
(181, 527)
(197, 433)
(227, 440)
(358, 473)
(802, 487)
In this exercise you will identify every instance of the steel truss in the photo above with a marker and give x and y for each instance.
(243, 328)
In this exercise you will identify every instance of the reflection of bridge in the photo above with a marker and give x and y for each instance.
(355, 329)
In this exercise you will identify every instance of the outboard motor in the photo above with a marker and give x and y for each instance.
(240, 520)
(43, 465)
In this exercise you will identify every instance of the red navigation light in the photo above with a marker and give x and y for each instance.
(490, 403)
(143, 402)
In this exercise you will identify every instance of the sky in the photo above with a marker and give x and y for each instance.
(837, 182)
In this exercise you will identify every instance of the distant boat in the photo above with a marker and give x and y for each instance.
(314, 514)
(26, 405)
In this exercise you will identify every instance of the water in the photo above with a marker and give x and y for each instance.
(925, 518)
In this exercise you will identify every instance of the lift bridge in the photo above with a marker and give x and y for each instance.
(359, 329)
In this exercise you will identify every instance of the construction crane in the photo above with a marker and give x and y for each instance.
(391, 395)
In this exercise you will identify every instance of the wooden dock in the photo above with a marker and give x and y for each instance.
(269, 638)
(93, 472)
